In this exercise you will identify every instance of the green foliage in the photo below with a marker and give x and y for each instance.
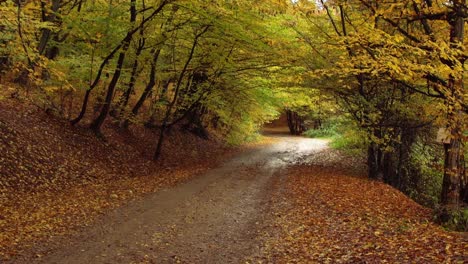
(324, 132)
(328, 129)
(350, 141)
(426, 163)
(453, 220)
(344, 134)
(256, 58)
(244, 112)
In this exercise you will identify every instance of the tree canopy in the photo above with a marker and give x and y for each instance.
(396, 68)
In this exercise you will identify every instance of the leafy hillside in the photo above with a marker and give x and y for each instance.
(56, 177)
(328, 214)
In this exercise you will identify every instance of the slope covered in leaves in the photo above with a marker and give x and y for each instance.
(327, 215)
(55, 178)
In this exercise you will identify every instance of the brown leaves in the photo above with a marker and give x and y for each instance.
(56, 178)
(338, 218)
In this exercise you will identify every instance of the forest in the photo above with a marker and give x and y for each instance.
(105, 101)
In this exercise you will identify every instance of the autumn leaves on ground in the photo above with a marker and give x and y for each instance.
(118, 121)
(61, 178)
(334, 217)
(316, 208)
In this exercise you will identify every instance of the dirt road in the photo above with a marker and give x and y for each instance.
(214, 218)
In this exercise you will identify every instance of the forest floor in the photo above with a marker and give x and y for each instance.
(68, 197)
(294, 200)
(56, 179)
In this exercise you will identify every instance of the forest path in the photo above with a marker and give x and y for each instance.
(214, 218)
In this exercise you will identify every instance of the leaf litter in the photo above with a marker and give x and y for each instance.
(55, 179)
(325, 211)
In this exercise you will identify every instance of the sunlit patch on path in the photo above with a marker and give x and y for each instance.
(295, 200)
(214, 218)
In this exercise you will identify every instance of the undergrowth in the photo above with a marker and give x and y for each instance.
(422, 175)
(343, 133)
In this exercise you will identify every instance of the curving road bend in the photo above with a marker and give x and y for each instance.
(214, 218)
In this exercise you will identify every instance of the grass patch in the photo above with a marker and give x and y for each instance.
(320, 133)
(343, 134)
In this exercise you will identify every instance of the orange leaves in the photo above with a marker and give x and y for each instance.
(339, 218)
(55, 178)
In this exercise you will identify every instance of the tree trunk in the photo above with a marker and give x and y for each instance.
(46, 33)
(149, 87)
(123, 100)
(389, 169)
(464, 182)
(106, 60)
(94, 84)
(375, 158)
(450, 196)
(194, 117)
(295, 123)
(453, 167)
(97, 123)
(157, 153)
(373, 162)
